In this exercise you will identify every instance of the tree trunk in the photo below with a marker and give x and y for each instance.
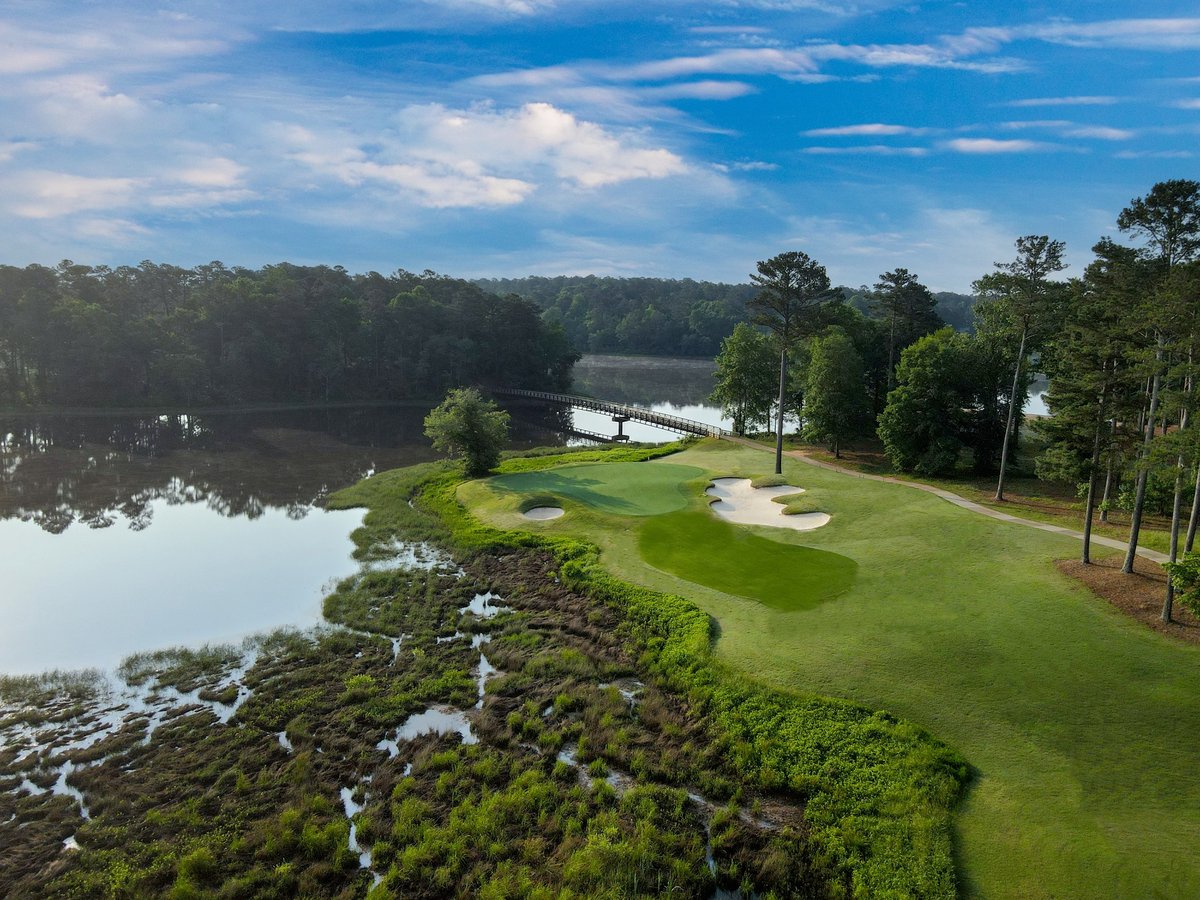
(1090, 507)
(1012, 409)
(1177, 504)
(1169, 600)
(1139, 499)
(892, 353)
(1192, 521)
(1109, 484)
(779, 414)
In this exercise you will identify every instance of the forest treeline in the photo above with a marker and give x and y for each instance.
(665, 317)
(98, 336)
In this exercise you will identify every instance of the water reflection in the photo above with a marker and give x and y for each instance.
(646, 380)
(102, 469)
(238, 543)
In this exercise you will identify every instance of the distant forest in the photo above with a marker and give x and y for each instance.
(95, 336)
(661, 316)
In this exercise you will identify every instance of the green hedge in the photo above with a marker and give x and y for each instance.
(879, 792)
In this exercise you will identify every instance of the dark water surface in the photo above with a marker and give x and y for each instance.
(124, 532)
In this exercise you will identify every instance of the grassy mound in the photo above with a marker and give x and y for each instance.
(701, 548)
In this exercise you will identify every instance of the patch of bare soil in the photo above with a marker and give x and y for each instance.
(1138, 595)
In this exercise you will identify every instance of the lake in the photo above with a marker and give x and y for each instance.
(125, 532)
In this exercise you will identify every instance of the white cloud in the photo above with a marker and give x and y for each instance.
(1088, 100)
(79, 106)
(42, 194)
(9, 149)
(1190, 103)
(1100, 132)
(1137, 34)
(83, 40)
(946, 247)
(198, 185)
(729, 29)
(216, 172)
(1155, 154)
(110, 231)
(1067, 128)
(700, 90)
(873, 129)
(868, 149)
(485, 157)
(991, 145)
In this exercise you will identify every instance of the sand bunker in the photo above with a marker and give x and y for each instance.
(542, 513)
(739, 502)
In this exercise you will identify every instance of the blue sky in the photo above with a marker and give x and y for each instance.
(511, 137)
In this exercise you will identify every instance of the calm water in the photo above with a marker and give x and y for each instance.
(122, 533)
(679, 387)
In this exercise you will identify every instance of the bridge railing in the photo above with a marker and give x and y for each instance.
(636, 413)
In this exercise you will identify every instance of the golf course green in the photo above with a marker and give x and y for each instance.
(1082, 725)
(622, 488)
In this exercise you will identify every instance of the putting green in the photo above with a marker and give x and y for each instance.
(698, 547)
(622, 489)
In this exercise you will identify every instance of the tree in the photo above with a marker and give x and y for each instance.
(1169, 219)
(928, 414)
(467, 425)
(1022, 288)
(792, 289)
(744, 382)
(1090, 385)
(909, 310)
(835, 397)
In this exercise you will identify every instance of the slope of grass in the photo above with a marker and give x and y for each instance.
(1081, 723)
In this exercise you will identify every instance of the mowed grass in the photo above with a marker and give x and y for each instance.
(1083, 725)
(699, 547)
(623, 488)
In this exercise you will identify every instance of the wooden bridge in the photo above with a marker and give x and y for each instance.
(621, 413)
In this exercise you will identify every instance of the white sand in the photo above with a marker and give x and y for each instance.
(542, 513)
(739, 502)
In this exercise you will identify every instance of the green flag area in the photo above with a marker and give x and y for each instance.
(1081, 724)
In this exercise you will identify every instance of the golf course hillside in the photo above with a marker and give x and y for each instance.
(1079, 724)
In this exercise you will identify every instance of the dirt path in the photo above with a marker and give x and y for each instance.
(950, 496)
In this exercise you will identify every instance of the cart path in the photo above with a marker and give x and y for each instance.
(950, 496)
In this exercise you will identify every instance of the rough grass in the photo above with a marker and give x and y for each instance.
(698, 547)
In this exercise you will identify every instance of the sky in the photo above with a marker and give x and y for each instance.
(545, 137)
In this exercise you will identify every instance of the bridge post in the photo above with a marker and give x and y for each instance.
(620, 420)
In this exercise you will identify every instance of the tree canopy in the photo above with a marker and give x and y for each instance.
(136, 335)
(469, 426)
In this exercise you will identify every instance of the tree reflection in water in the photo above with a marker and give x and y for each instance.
(98, 469)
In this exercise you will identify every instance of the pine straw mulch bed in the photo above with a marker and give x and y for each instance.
(1139, 595)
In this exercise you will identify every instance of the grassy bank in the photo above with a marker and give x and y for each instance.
(1080, 722)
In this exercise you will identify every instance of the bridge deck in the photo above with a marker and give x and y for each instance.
(635, 413)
